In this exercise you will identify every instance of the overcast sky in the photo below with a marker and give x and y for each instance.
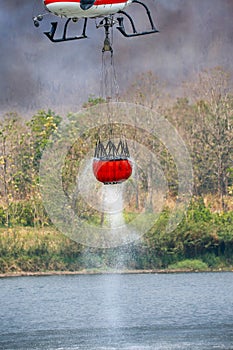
(36, 74)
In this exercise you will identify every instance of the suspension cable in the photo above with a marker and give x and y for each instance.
(109, 88)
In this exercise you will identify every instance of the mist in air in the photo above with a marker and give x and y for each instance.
(36, 74)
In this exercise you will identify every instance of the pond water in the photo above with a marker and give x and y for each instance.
(117, 311)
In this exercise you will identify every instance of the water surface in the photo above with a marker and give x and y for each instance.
(112, 312)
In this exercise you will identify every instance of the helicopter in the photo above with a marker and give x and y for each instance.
(110, 12)
(111, 163)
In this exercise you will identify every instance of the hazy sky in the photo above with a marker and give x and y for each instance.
(36, 74)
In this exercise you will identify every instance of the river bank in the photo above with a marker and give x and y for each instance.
(107, 272)
(202, 242)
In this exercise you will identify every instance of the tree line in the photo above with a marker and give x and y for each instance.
(203, 119)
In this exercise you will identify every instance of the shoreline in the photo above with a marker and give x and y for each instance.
(107, 272)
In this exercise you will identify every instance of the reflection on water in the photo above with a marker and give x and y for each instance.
(109, 312)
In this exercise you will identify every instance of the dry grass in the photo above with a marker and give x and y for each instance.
(214, 202)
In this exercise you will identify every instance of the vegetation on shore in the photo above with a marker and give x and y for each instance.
(202, 241)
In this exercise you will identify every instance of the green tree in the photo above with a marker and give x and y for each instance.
(42, 125)
(15, 161)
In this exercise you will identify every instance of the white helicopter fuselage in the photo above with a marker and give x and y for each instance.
(72, 9)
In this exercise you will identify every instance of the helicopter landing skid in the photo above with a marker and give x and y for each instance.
(134, 33)
(64, 37)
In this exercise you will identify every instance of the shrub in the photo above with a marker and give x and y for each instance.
(212, 260)
(191, 265)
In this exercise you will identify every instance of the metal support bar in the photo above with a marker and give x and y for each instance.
(121, 27)
(147, 11)
(64, 37)
(121, 19)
